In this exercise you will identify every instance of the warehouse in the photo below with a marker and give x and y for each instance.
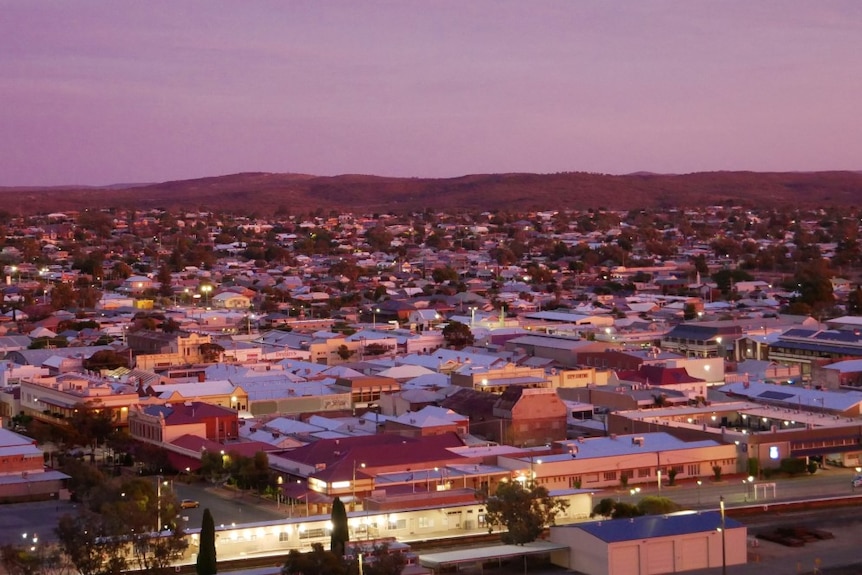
(651, 544)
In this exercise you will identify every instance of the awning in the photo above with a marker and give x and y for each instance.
(481, 554)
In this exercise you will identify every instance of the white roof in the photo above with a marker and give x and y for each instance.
(847, 366)
(405, 372)
(195, 389)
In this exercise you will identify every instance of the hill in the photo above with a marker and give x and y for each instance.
(266, 193)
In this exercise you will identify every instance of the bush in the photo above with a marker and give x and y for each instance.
(792, 466)
(753, 466)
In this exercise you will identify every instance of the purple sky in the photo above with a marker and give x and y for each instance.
(106, 91)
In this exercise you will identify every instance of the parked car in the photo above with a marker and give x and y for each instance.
(856, 481)
(189, 504)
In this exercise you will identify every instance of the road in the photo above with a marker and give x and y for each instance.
(226, 507)
(17, 519)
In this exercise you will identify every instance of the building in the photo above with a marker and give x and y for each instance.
(166, 423)
(650, 544)
(498, 379)
(602, 462)
(158, 350)
(23, 476)
(535, 416)
(55, 399)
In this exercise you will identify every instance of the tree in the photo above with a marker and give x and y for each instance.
(318, 561)
(164, 278)
(655, 505)
(106, 359)
(38, 559)
(440, 275)
(340, 532)
(377, 561)
(457, 335)
(854, 301)
(86, 539)
(604, 508)
(206, 562)
(523, 509)
(210, 352)
(62, 296)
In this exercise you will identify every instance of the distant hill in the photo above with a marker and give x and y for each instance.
(264, 193)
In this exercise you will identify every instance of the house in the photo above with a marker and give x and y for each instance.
(136, 284)
(231, 300)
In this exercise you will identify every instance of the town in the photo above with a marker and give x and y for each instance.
(408, 365)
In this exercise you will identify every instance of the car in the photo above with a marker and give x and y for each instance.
(189, 504)
(856, 481)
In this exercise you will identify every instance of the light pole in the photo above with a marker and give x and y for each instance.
(353, 485)
(159, 503)
(532, 469)
(472, 315)
(206, 289)
(374, 313)
(699, 483)
(723, 549)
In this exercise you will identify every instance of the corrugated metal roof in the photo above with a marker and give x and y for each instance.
(652, 526)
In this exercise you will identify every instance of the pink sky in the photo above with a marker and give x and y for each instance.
(106, 91)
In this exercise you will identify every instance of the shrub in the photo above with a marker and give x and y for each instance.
(792, 466)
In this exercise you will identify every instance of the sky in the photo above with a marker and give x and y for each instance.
(99, 92)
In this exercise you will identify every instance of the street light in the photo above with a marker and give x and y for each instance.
(374, 313)
(206, 289)
(699, 483)
(723, 549)
(532, 470)
(353, 485)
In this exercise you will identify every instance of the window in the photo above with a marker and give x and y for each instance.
(644, 472)
(426, 522)
(610, 476)
(312, 533)
(694, 469)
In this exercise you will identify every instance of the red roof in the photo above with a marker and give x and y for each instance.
(189, 412)
(661, 375)
(337, 457)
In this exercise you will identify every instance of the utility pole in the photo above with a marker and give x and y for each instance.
(723, 548)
